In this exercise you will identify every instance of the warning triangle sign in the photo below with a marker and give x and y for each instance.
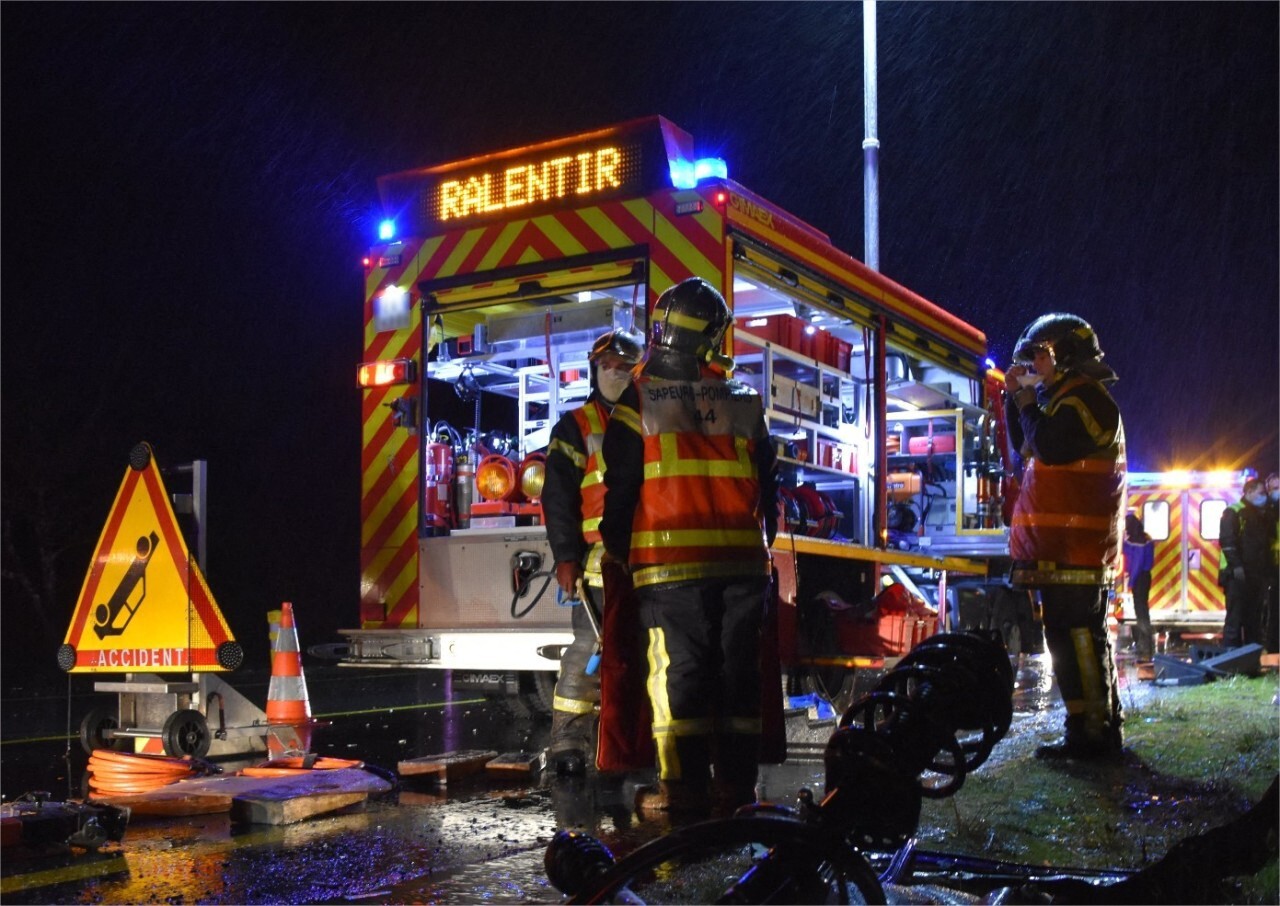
(145, 606)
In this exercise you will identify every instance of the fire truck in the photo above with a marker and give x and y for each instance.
(1181, 511)
(493, 276)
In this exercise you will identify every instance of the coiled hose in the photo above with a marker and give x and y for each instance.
(124, 774)
(285, 767)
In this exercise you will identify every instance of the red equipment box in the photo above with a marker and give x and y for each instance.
(785, 330)
(938, 443)
(893, 635)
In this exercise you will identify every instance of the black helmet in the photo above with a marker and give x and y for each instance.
(621, 343)
(1074, 344)
(690, 317)
(1072, 340)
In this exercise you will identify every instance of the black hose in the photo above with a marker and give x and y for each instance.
(536, 598)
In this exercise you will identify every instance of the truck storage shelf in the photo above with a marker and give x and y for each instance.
(925, 397)
(798, 422)
(824, 471)
(755, 349)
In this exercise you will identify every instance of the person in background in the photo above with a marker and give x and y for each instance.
(1271, 621)
(1245, 567)
(1068, 518)
(572, 503)
(690, 512)
(1139, 558)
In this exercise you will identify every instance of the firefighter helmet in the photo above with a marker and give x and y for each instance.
(1074, 344)
(690, 317)
(626, 346)
(1071, 338)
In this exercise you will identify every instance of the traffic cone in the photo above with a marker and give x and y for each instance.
(288, 708)
(287, 701)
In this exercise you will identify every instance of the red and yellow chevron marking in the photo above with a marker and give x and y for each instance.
(1203, 592)
(1166, 574)
(1173, 568)
(679, 246)
(389, 471)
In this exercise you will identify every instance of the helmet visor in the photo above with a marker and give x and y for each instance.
(1027, 352)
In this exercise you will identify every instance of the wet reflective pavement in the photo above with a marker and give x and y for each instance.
(480, 840)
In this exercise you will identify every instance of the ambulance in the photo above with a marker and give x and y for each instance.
(1182, 511)
(492, 277)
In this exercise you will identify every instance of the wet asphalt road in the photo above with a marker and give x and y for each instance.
(479, 840)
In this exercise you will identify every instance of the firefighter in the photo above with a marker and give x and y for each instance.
(1068, 519)
(690, 513)
(1245, 569)
(1271, 616)
(572, 502)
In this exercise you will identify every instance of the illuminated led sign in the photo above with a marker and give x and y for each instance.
(583, 174)
(631, 159)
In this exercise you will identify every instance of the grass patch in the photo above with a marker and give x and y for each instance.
(1199, 756)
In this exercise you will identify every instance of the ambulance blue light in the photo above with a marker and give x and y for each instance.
(686, 175)
(387, 230)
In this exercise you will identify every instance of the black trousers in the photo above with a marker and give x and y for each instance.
(1142, 616)
(1245, 602)
(704, 678)
(1075, 632)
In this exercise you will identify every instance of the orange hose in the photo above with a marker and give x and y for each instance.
(283, 767)
(121, 773)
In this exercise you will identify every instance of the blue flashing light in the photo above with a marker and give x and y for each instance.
(709, 167)
(387, 230)
(686, 175)
(990, 363)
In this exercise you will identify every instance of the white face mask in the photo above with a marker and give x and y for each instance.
(1030, 379)
(612, 382)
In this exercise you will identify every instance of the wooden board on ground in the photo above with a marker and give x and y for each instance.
(514, 763)
(275, 807)
(1270, 662)
(211, 795)
(446, 768)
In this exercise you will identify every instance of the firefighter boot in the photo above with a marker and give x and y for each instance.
(1082, 745)
(572, 747)
(684, 771)
(735, 769)
(678, 797)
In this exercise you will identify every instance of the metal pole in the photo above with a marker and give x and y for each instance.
(871, 143)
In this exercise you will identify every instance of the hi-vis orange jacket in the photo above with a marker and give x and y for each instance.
(573, 497)
(698, 512)
(1068, 521)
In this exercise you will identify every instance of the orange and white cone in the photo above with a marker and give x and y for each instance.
(287, 702)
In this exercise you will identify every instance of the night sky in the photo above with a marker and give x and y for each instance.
(188, 190)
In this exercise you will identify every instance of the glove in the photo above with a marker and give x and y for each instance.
(621, 564)
(1238, 573)
(568, 572)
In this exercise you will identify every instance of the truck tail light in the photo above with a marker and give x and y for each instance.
(386, 373)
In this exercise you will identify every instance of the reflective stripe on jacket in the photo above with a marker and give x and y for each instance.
(1068, 520)
(591, 420)
(697, 516)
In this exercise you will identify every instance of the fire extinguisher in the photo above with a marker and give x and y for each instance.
(464, 486)
(437, 517)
